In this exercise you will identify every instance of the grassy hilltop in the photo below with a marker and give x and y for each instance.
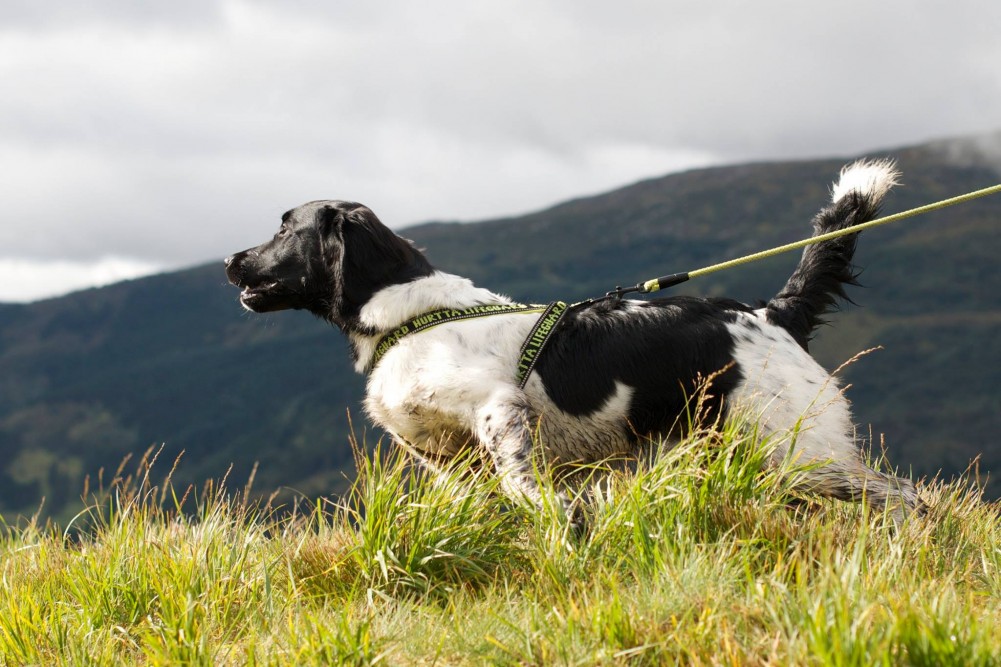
(702, 558)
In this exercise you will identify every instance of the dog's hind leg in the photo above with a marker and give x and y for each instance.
(798, 404)
(833, 465)
(854, 480)
(823, 444)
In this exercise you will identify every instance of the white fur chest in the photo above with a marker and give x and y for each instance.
(428, 388)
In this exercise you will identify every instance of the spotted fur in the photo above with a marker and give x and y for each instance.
(617, 372)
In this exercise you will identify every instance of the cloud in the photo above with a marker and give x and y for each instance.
(31, 15)
(177, 133)
(29, 280)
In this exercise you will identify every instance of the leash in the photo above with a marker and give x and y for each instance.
(672, 279)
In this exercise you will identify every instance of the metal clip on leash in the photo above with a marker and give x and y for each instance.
(650, 285)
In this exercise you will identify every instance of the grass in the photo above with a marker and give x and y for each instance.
(701, 557)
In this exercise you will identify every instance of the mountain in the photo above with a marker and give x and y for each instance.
(172, 359)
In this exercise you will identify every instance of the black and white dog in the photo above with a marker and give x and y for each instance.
(616, 372)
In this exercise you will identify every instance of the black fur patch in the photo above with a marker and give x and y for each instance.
(660, 348)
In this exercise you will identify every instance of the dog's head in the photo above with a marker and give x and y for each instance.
(328, 257)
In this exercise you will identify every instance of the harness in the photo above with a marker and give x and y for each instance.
(531, 349)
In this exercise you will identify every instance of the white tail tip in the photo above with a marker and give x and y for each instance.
(870, 178)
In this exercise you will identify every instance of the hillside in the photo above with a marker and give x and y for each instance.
(173, 359)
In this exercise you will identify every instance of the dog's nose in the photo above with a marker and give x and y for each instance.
(234, 268)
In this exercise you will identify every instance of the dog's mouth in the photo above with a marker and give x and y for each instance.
(251, 296)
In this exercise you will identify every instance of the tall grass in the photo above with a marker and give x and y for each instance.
(701, 556)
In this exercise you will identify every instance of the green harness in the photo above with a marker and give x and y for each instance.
(531, 349)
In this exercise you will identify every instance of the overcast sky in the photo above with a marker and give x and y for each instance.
(137, 137)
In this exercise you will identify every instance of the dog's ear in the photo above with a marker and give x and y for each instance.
(374, 256)
(330, 227)
(364, 256)
(350, 234)
(330, 221)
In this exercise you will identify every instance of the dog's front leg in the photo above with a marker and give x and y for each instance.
(504, 429)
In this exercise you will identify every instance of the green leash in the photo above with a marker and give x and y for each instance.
(677, 278)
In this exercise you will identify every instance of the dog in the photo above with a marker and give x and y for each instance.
(614, 375)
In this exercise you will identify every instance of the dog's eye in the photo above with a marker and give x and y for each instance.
(282, 231)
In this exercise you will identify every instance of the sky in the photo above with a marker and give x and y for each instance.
(138, 137)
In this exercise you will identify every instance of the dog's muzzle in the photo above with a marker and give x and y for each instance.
(260, 293)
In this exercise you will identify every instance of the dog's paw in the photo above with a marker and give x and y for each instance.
(576, 515)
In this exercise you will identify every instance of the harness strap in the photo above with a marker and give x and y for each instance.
(435, 317)
(530, 351)
(540, 334)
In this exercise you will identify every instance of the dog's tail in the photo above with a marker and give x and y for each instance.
(825, 268)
